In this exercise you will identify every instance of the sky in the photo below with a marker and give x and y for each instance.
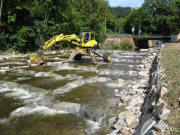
(126, 3)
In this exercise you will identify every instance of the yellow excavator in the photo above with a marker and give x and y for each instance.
(86, 45)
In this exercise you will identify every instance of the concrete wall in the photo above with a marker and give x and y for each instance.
(137, 43)
(117, 40)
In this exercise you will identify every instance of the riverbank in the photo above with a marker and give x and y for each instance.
(171, 63)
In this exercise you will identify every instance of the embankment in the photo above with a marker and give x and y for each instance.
(152, 111)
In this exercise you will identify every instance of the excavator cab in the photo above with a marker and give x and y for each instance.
(87, 36)
(88, 40)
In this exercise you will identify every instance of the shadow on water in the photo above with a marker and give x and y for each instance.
(40, 68)
(13, 76)
(62, 124)
(7, 105)
(44, 82)
(92, 94)
(78, 72)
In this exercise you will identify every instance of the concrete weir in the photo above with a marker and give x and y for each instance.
(79, 98)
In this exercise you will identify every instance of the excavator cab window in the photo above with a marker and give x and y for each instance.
(92, 36)
(86, 37)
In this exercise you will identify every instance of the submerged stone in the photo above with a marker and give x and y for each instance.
(66, 106)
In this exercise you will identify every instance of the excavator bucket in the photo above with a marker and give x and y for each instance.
(37, 59)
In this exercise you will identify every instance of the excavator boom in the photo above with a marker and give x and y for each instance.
(71, 38)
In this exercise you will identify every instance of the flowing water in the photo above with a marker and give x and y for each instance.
(62, 98)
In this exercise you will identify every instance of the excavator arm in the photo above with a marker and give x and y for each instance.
(71, 38)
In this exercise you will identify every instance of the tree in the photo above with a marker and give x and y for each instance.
(121, 12)
(160, 11)
(1, 6)
(27, 24)
(134, 19)
(176, 18)
(155, 16)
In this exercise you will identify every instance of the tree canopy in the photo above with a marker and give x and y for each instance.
(121, 12)
(25, 24)
(155, 16)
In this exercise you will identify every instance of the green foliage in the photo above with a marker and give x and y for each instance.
(121, 12)
(124, 45)
(112, 47)
(27, 24)
(155, 17)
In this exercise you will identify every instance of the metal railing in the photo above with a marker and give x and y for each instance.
(135, 35)
(172, 38)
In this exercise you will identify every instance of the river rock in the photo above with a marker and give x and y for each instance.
(151, 50)
(75, 84)
(135, 87)
(103, 79)
(92, 113)
(41, 74)
(71, 75)
(23, 78)
(112, 121)
(115, 132)
(113, 101)
(120, 81)
(132, 72)
(140, 66)
(120, 124)
(66, 106)
(125, 98)
(5, 68)
(160, 110)
(117, 93)
(144, 73)
(114, 85)
(129, 119)
(164, 90)
(127, 131)
(135, 101)
(29, 62)
(3, 71)
(143, 50)
(161, 127)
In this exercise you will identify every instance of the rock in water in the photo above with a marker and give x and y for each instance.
(39, 61)
(69, 107)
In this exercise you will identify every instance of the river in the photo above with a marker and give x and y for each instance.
(62, 98)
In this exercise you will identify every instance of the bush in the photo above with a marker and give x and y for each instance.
(125, 45)
(112, 47)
